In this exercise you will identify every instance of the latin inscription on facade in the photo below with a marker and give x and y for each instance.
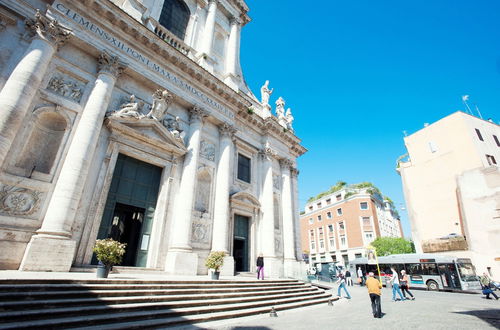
(101, 33)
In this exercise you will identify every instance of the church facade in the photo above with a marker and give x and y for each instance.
(131, 120)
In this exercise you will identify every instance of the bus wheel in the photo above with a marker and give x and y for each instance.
(432, 285)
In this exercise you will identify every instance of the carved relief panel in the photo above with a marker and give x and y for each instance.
(67, 86)
(18, 201)
(207, 150)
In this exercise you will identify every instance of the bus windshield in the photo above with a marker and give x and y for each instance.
(467, 272)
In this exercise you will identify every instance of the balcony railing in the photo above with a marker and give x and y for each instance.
(169, 37)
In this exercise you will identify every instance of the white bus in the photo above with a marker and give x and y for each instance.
(434, 272)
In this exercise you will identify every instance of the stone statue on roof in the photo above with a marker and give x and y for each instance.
(265, 93)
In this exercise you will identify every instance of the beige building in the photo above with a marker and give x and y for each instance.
(337, 226)
(451, 183)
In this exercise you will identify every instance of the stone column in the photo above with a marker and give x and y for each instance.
(267, 207)
(296, 219)
(232, 56)
(23, 84)
(180, 258)
(221, 209)
(52, 248)
(208, 36)
(290, 262)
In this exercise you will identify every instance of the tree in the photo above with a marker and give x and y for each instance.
(392, 245)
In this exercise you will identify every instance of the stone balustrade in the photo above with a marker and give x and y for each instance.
(169, 37)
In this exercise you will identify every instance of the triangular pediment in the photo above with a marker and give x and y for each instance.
(146, 131)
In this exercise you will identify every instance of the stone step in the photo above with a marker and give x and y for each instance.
(6, 296)
(149, 286)
(60, 312)
(143, 315)
(129, 281)
(199, 318)
(28, 304)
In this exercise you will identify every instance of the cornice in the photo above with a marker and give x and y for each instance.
(149, 40)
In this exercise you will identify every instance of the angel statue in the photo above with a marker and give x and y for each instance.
(265, 93)
(161, 101)
(130, 109)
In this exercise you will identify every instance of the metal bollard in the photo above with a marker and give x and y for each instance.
(273, 313)
(330, 302)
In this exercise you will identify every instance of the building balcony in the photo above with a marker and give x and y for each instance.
(168, 37)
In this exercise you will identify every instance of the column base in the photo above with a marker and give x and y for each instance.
(293, 269)
(181, 263)
(49, 254)
(273, 267)
(228, 267)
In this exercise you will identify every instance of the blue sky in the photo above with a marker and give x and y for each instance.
(358, 73)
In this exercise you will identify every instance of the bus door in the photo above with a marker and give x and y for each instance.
(449, 276)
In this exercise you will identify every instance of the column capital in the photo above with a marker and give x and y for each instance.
(107, 63)
(268, 153)
(234, 20)
(197, 114)
(227, 130)
(294, 171)
(286, 163)
(212, 2)
(48, 29)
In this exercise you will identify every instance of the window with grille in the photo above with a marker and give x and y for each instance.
(175, 17)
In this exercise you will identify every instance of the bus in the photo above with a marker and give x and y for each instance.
(430, 271)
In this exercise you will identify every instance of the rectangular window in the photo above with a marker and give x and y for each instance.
(318, 205)
(339, 211)
(369, 236)
(312, 233)
(330, 228)
(310, 208)
(363, 205)
(243, 168)
(429, 269)
(479, 135)
(496, 140)
(311, 220)
(331, 243)
(320, 231)
(319, 217)
(338, 197)
(328, 201)
(343, 241)
(321, 244)
(329, 215)
(358, 255)
(366, 221)
(491, 160)
(341, 225)
(313, 246)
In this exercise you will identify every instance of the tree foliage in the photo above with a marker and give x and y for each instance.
(392, 245)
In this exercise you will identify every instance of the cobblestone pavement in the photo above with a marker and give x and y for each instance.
(430, 310)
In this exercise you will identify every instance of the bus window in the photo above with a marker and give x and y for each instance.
(429, 269)
(415, 269)
(467, 272)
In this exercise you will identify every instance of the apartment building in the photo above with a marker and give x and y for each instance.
(451, 183)
(338, 225)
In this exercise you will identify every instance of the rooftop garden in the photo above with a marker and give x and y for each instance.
(352, 189)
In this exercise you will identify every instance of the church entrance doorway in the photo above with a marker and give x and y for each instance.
(241, 243)
(130, 208)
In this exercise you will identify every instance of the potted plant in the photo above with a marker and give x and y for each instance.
(109, 252)
(215, 261)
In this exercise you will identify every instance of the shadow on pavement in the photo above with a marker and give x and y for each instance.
(491, 316)
(250, 328)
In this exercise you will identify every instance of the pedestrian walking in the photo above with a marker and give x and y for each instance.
(486, 286)
(405, 284)
(374, 292)
(260, 267)
(395, 285)
(361, 277)
(348, 278)
(341, 283)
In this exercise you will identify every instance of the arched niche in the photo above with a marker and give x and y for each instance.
(47, 129)
(203, 190)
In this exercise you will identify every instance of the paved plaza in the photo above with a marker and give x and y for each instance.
(430, 310)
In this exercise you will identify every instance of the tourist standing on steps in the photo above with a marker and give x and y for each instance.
(374, 292)
(405, 284)
(395, 285)
(260, 267)
(341, 283)
(348, 278)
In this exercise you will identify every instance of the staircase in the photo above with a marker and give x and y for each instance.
(144, 304)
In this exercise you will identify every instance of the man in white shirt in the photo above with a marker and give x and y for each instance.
(395, 285)
(361, 277)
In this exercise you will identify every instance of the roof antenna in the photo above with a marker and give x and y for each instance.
(465, 98)
(478, 112)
